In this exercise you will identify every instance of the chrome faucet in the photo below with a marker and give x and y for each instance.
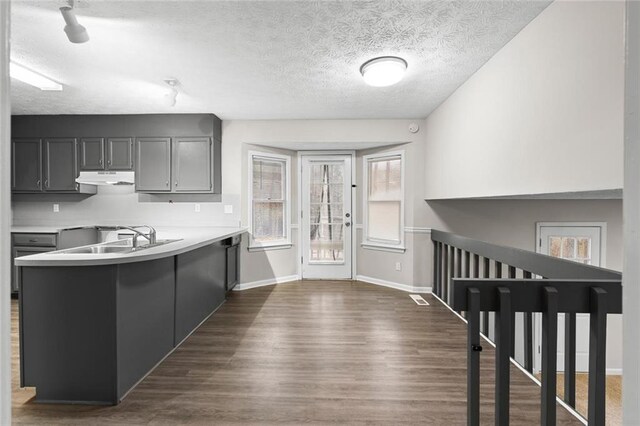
(150, 236)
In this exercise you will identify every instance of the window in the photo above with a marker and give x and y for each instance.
(384, 201)
(269, 194)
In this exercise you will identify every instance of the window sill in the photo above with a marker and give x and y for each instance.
(383, 247)
(278, 246)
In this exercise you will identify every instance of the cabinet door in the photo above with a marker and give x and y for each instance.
(153, 164)
(119, 154)
(92, 154)
(192, 164)
(26, 165)
(60, 164)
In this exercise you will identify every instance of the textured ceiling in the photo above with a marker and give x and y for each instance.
(257, 60)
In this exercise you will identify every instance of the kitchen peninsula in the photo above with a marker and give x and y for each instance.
(92, 325)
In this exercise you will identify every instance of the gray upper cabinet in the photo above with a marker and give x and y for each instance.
(192, 158)
(106, 154)
(26, 170)
(60, 164)
(119, 154)
(91, 153)
(153, 164)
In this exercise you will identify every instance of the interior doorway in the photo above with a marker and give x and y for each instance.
(326, 215)
(578, 242)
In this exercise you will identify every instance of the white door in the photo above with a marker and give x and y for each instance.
(578, 243)
(326, 216)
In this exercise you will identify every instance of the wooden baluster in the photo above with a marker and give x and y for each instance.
(597, 356)
(512, 274)
(528, 335)
(570, 359)
(473, 357)
(503, 365)
(549, 356)
(485, 315)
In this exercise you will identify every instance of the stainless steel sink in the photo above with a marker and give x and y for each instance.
(122, 246)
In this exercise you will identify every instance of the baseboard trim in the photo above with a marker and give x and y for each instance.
(390, 284)
(262, 283)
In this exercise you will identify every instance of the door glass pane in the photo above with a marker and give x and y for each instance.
(575, 248)
(555, 244)
(326, 231)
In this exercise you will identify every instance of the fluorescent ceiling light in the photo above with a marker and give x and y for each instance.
(33, 78)
(383, 71)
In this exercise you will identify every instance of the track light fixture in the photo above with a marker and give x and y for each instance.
(171, 98)
(76, 33)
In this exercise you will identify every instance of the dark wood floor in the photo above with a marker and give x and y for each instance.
(308, 352)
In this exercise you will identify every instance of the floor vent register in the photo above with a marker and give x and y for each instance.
(419, 300)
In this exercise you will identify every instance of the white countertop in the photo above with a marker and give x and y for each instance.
(191, 239)
(25, 229)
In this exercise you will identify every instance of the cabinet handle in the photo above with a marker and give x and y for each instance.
(166, 183)
(109, 163)
(38, 183)
(100, 162)
(46, 183)
(176, 183)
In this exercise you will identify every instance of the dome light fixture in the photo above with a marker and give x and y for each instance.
(76, 33)
(383, 71)
(171, 98)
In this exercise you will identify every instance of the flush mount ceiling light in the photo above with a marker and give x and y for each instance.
(383, 71)
(76, 33)
(33, 78)
(171, 98)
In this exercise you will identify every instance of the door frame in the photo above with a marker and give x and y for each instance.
(320, 153)
(537, 321)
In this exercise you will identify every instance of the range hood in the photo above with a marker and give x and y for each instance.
(107, 178)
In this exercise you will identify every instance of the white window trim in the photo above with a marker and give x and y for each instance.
(279, 244)
(368, 243)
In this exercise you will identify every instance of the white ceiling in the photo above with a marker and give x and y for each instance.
(257, 60)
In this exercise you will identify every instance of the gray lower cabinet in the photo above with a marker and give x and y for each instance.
(25, 244)
(153, 164)
(192, 158)
(106, 336)
(200, 287)
(26, 167)
(106, 154)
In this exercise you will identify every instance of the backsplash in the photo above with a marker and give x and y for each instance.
(120, 205)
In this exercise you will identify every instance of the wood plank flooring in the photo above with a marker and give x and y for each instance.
(308, 352)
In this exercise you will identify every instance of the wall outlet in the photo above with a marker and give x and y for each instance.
(228, 209)
(56, 208)
(196, 207)
(398, 266)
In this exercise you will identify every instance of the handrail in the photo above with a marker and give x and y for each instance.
(536, 263)
(469, 276)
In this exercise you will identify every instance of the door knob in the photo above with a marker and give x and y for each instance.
(347, 224)
(348, 215)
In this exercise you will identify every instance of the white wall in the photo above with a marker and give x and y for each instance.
(239, 137)
(631, 275)
(544, 115)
